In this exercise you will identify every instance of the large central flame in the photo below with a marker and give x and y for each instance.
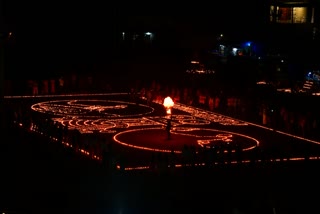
(168, 104)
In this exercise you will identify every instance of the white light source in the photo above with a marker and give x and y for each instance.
(168, 104)
(234, 51)
(194, 62)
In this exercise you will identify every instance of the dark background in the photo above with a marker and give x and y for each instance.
(49, 33)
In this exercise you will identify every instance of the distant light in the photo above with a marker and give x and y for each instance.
(261, 83)
(168, 104)
(287, 90)
(123, 33)
(148, 33)
(194, 62)
(234, 51)
(248, 44)
(282, 60)
(221, 35)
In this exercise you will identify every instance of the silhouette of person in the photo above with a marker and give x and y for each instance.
(168, 128)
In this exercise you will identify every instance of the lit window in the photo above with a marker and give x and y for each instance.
(288, 14)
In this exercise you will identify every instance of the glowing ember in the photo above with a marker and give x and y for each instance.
(168, 104)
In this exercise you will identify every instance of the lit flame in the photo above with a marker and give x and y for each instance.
(168, 104)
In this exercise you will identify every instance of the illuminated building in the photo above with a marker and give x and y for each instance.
(293, 12)
(293, 25)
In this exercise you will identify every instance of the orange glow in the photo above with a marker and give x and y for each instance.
(65, 95)
(225, 136)
(189, 165)
(226, 120)
(218, 137)
(115, 138)
(216, 163)
(168, 104)
(88, 108)
(72, 112)
(201, 140)
(208, 115)
(84, 152)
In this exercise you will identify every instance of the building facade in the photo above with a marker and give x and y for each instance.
(293, 26)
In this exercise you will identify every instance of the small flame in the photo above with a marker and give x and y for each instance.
(168, 104)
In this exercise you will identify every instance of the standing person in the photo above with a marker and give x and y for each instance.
(149, 97)
(45, 87)
(61, 85)
(168, 129)
(30, 87)
(74, 83)
(52, 86)
(35, 89)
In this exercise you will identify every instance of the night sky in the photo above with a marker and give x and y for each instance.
(50, 32)
(97, 19)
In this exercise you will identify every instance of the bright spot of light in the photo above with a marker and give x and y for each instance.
(148, 33)
(234, 51)
(168, 104)
(261, 83)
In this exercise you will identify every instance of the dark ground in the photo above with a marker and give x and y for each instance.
(39, 177)
(42, 177)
